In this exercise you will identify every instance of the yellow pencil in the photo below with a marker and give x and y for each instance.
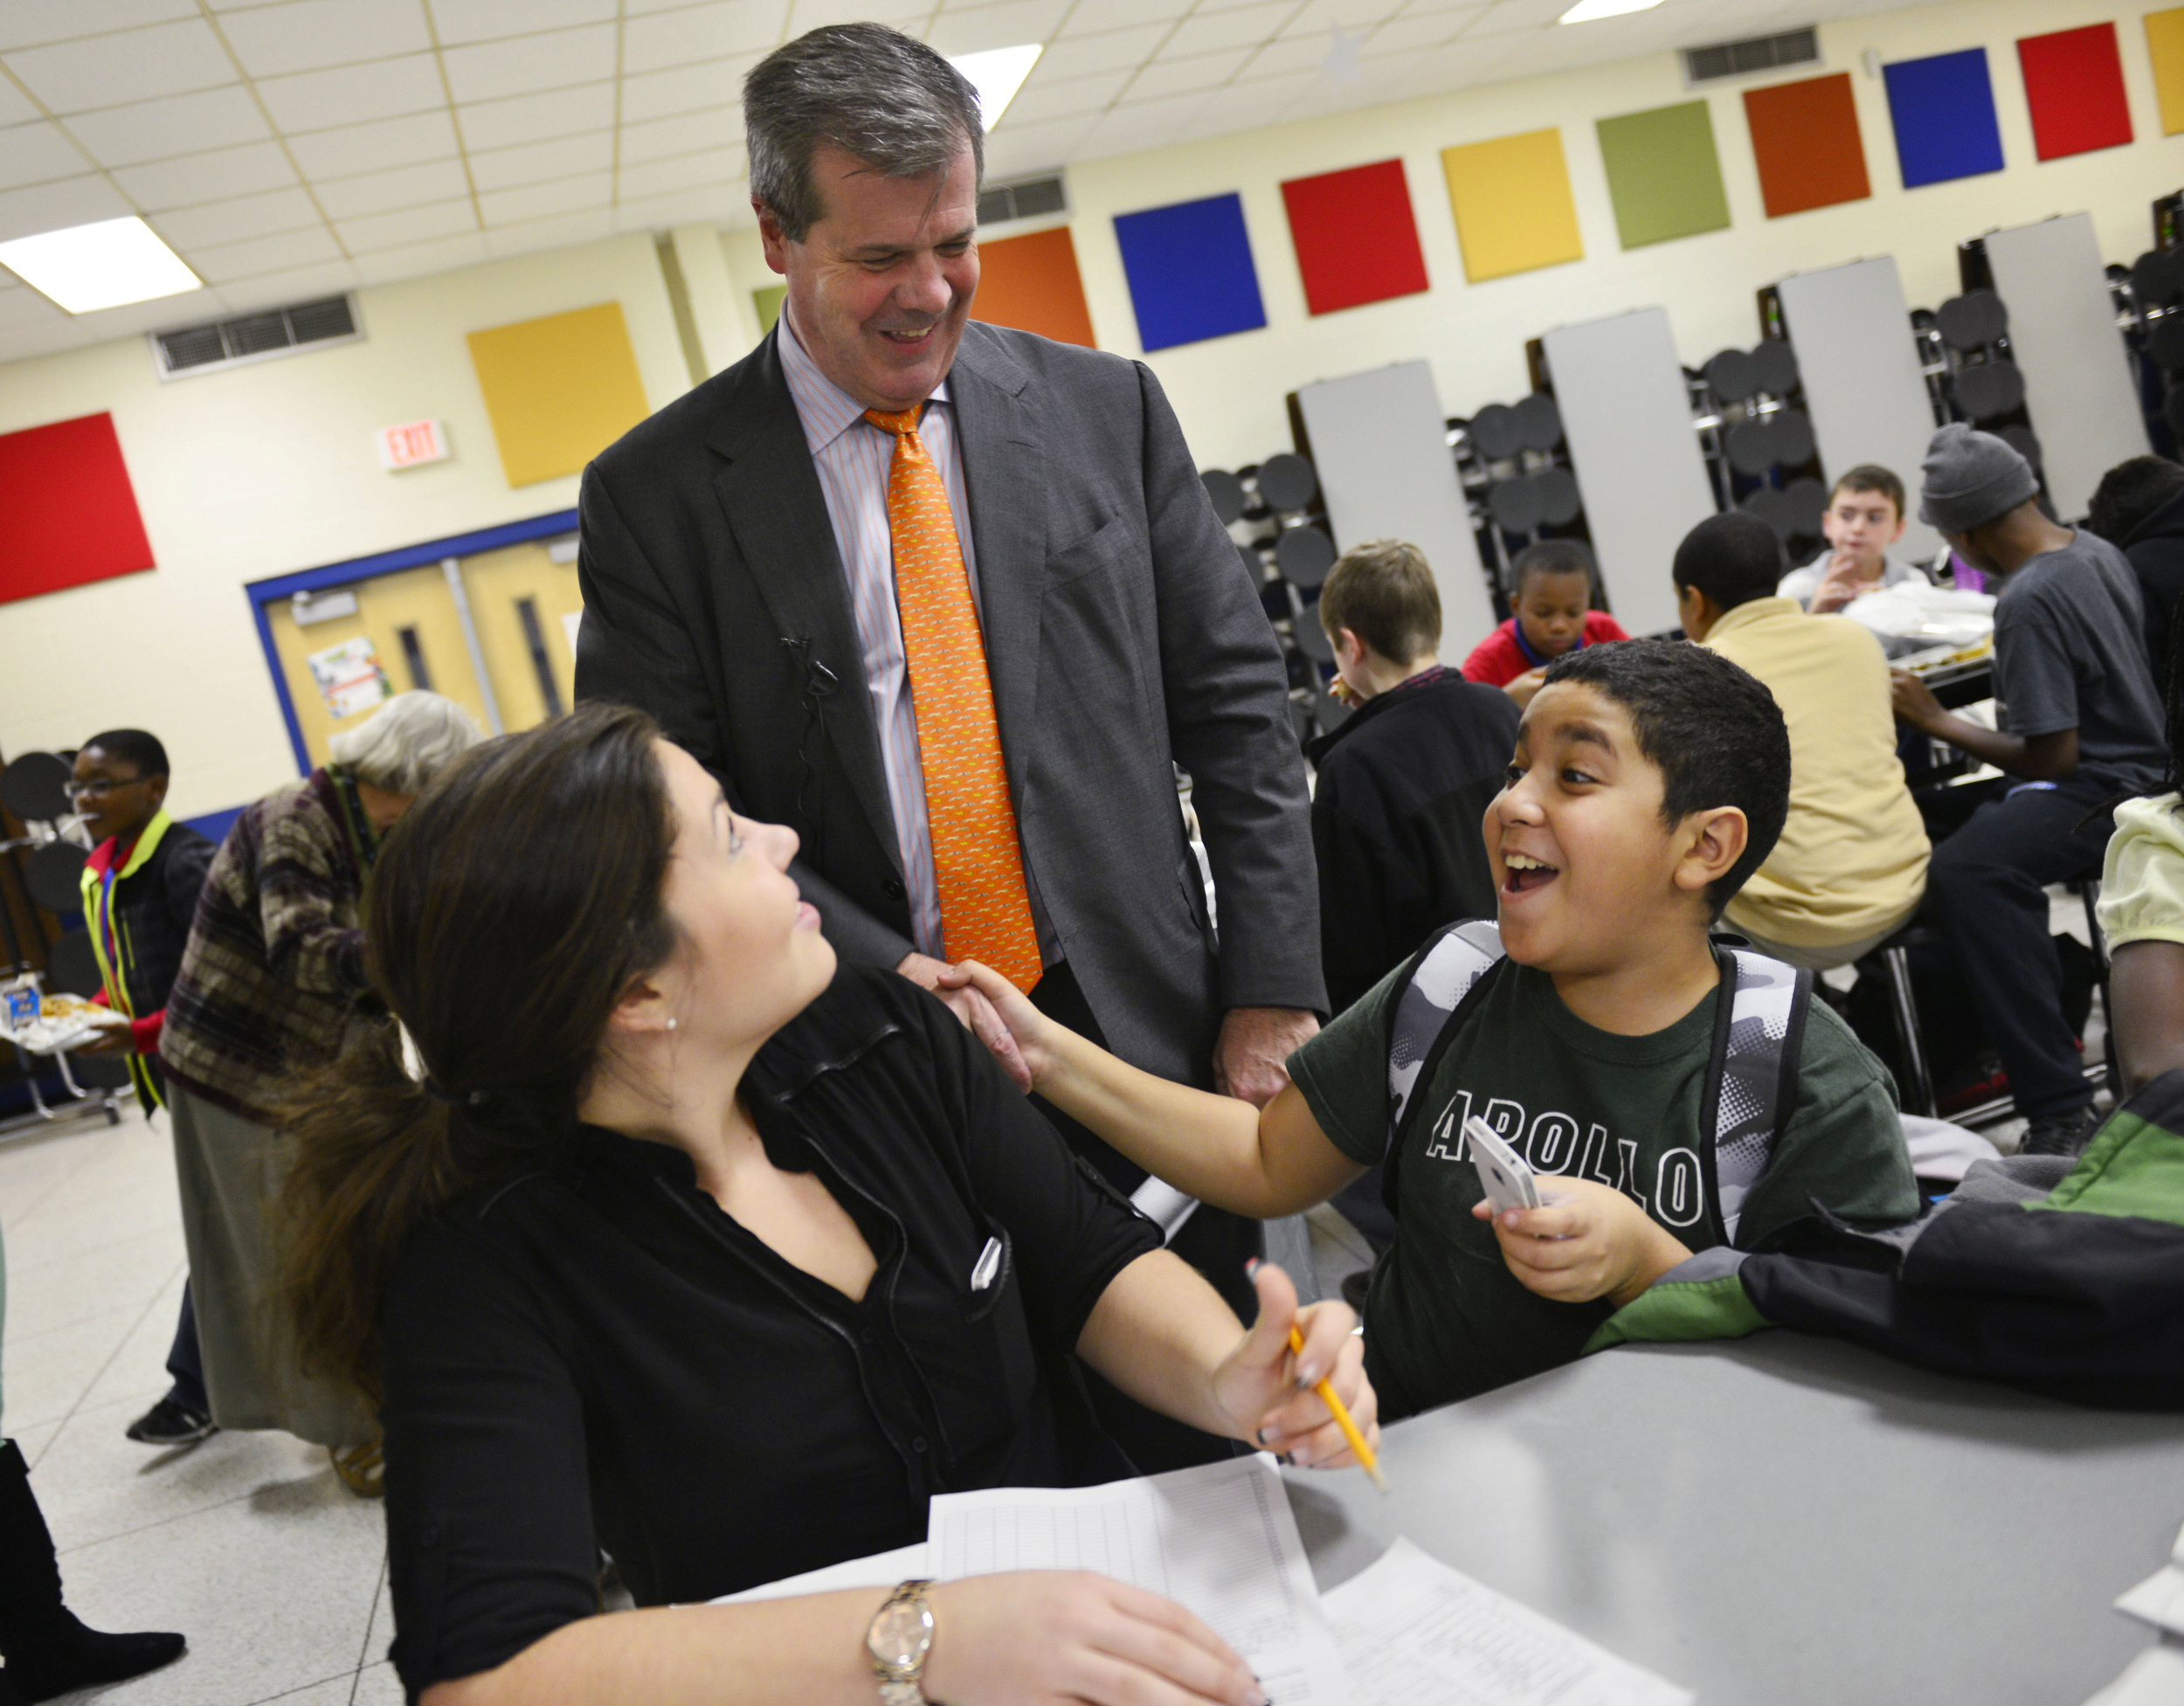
(1366, 1460)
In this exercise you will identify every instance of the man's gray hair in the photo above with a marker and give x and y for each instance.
(868, 90)
(406, 743)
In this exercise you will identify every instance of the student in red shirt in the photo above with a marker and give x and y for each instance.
(1552, 587)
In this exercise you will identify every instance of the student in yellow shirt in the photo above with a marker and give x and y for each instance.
(1850, 866)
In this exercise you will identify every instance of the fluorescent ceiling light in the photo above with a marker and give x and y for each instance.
(102, 265)
(997, 74)
(1585, 10)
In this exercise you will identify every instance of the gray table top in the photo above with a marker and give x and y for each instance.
(1786, 1519)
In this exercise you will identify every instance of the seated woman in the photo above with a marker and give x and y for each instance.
(655, 1230)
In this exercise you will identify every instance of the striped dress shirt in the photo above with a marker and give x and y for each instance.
(853, 457)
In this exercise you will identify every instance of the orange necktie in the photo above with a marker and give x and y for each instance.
(977, 866)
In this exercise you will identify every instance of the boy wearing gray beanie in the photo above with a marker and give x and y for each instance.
(2084, 725)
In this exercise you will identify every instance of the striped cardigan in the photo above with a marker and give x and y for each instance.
(276, 957)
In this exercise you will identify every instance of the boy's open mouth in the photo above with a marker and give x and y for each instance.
(1525, 874)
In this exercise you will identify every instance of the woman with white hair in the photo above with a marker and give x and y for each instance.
(269, 985)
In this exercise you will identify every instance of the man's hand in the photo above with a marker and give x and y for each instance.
(973, 1008)
(1839, 585)
(1525, 685)
(1913, 701)
(1255, 1043)
(114, 1036)
(1589, 1241)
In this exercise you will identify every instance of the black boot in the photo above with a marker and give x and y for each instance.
(48, 1652)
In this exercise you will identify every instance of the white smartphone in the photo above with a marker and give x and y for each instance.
(1505, 1175)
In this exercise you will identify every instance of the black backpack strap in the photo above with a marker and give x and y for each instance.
(1439, 988)
(1751, 1077)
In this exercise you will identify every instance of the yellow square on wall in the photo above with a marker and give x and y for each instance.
(2165, 45)
(559, 391)
(1513, 206)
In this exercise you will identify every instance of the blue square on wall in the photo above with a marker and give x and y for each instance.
(1943, 112)
(1190, 271)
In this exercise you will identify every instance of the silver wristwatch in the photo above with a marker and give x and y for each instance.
(901, 1636)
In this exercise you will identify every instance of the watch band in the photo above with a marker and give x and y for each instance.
(898, 1642)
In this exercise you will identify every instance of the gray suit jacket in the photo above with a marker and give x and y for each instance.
(1121, 630)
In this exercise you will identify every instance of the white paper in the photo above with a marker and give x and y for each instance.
(2159, 1599)
(1218, 1540)
(2155, 1678)
(881, 1570)
(1415, 1633)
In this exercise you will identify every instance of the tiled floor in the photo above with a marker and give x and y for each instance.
(247, 1544)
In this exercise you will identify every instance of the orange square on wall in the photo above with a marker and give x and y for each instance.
(1805, 138)
(1032, 283)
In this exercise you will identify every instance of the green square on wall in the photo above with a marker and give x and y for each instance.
(1663, 174)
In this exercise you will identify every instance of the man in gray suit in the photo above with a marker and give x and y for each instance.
(738, 583)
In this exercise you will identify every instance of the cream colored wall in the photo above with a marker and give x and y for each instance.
(1228, 391)
(269, 468)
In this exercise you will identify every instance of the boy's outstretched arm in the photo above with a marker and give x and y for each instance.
(1261, 1163)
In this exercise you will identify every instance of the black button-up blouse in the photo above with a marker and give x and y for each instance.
(597, 1355)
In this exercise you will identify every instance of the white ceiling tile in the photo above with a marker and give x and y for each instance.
(310, 35)
(415, 259)
(1173, 77)
(1123, 50)
(905, 15)
(72, 201)
(715, 83)
(1014, 151)
(405, 186)
(535, 163)
(179, 124)
(1285, 59)
(375, 146)
(414, 225)
(536, 234)
(713, 127)
(539, 118)
(301, 284)
(1122, 15)
(206, 177)
(28, 340)
(662, 177)
(1128, 129)
(1507, 15)
(709, 206)
(1047, 102)
(15, 108)
(709, 31)
(220, 263)
(26, 22)
(136, 64)
(353, 94)
(460, 21)
(1411, 35)
(1247, 26)
(1353, 18)
(21, 305)
(1010, 25)
(36, 154)
(540, 201)
(495, 70)
(231, 221)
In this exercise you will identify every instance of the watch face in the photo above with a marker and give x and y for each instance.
(900, 1636)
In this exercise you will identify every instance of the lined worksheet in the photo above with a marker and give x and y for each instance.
(1218, 1540)
(1415, 1633)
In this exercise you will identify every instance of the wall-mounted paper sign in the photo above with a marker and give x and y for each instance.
(350, 678)
(406, 445)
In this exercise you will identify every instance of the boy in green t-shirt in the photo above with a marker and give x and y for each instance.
(1651, 779)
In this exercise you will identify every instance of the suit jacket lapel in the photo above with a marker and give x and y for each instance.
(1004, 460)
(769, 489)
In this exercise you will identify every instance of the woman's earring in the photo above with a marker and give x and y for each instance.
(673, 1023)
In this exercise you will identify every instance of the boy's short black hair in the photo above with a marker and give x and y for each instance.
(1870, 477)
(1549, 556)
(1712, 730)
(1383, 591)
(2128, 493)
(132, 746)
(1732, 558)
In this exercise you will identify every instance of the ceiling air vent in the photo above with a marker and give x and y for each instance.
(1759, 53)
(253, 337)
(1034, 199)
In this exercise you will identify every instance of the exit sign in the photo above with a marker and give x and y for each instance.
(416, 441)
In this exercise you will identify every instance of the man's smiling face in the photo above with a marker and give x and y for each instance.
(881, 285)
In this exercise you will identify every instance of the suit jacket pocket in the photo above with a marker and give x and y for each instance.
(1086, 555)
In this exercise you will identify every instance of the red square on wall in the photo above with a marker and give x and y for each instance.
(2074, 83)
(67, 512)
(1356, 237)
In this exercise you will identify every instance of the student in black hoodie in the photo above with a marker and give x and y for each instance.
(2138, 508)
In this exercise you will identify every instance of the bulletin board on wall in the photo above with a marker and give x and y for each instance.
(489, 618)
